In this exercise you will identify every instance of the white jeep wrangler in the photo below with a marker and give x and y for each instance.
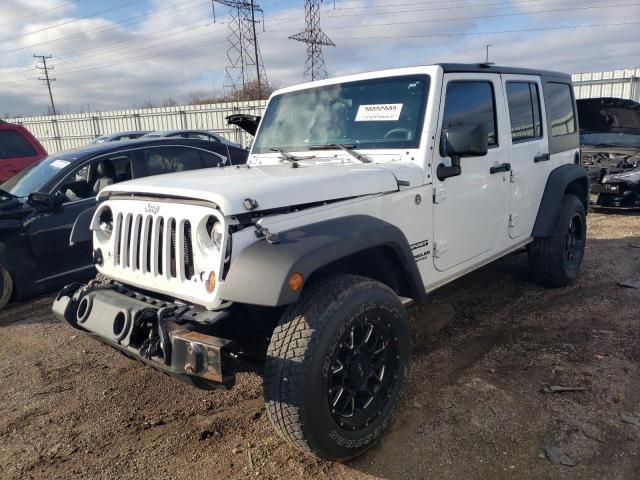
(360, 193)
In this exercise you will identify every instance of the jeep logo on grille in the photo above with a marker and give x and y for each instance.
(151, 208)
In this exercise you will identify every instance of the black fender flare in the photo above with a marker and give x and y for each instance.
(81, 230)
(570, 178)
(259, 275)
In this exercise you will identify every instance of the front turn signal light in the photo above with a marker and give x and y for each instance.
(211, 282)
(295, 281)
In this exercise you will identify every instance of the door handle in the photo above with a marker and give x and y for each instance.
(541, 158)
(504, 167)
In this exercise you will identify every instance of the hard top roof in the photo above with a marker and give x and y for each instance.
(489, 68)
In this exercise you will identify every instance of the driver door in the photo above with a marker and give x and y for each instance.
(470, 210)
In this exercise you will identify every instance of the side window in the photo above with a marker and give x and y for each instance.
(211, 160)
(471, 103)
(201, 136)
(559, 103)
(524, 111)
(77, 185)
(168, 160)
(14, 145)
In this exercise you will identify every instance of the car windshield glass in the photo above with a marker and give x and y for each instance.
(613, 139)
(371, 114)
(35, 176)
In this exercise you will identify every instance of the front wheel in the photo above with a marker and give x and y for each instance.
(555, 260)
(6, 287)
(336, 366)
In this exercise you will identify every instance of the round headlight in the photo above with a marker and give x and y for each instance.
(106, 221)
(217, 235)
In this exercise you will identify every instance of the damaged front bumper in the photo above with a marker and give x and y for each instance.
(618, 196)
(174, 339)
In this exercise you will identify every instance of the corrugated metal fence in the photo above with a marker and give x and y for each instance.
(616, 83)
(62, 132)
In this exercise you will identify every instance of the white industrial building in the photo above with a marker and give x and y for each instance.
(624, 83)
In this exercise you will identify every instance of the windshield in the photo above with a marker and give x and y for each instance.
(613, 139)
(35, 176)
(370, 114)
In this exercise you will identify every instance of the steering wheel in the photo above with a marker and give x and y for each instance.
(399, 134)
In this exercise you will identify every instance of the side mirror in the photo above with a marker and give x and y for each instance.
(462, 141)
(43, 202)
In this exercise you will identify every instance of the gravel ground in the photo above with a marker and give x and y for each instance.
(485, 348)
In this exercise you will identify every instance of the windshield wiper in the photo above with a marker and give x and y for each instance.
(288, 157)
(350, 149)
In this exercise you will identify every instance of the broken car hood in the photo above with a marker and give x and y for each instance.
(271, 186)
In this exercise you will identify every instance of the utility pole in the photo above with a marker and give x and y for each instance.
(244, 63)
(315, 38)
(47, 79)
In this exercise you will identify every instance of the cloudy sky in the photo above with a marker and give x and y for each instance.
(111, 54)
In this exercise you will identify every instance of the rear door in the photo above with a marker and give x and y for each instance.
(470, 210)
(530, 157)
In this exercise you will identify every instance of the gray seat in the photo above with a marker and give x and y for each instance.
(106, 175)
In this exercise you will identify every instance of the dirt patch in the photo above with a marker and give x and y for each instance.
(476, 406)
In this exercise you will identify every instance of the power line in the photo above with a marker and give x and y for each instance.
(464, 34)
(315, 38)
(46, 79)
(198, 45)
(122, 23)
(476, 17)
(73, 20)
(37, 14)
(372, 11)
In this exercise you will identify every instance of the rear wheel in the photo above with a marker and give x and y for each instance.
(336, 366)
(555, 260)
(6, 287)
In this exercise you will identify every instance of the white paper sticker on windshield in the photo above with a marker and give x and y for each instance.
(382, 112)
(60, 163)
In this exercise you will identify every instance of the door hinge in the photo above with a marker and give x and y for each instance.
(514, 220)
(439, 194)
(440, 248)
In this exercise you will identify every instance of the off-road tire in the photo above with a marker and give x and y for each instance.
(549, 262)
(6, 287)
(299, 373)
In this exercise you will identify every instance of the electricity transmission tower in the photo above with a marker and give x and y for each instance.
(46, 69)
(244, 63)
(315, 38)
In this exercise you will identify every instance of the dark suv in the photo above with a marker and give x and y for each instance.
(18, 149)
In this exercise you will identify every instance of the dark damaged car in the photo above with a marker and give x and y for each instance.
(610, 141)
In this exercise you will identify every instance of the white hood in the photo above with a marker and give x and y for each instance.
(271, 186)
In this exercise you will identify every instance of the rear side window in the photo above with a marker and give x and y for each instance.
(211, 160)
(14, 145)
(161, 160)
(560, 107)
(524, 111)
(471, 103)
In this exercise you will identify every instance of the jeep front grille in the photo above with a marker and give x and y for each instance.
(155, 245)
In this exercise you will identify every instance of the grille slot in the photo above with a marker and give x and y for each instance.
(188, 251)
